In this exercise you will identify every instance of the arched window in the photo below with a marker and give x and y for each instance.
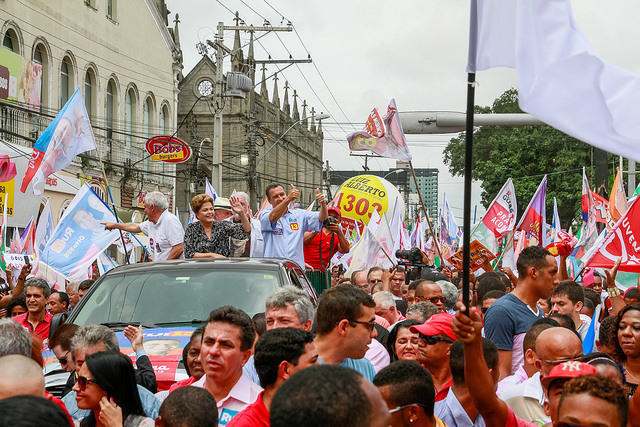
(10, 41)
(66, 80)
(110, 108)
(41, 57)
(89, 82)
(147, 123)
(165, 120)
(129, 119)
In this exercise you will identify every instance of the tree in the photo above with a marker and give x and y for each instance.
(525, 154)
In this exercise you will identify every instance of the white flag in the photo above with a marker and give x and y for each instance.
(561, 80)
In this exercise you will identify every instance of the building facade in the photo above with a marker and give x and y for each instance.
(291, 140)
(127, 63)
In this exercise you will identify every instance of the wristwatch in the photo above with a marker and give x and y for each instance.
(614, 292)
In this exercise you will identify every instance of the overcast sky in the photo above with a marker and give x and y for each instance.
(367, 52)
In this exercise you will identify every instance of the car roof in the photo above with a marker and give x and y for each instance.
(205, 263)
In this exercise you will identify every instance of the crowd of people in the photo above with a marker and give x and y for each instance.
(377, 349)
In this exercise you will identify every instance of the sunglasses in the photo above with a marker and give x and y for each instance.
(82, 382)
(432, 340)
(400, 408)
(559, 361)
(369, 325)
(65, 359)
(432, 300)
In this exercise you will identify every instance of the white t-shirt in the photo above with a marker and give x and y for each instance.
(163, 235)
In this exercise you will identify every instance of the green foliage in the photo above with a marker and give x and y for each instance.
(524, 154)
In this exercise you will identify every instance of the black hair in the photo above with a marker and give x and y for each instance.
(490, 281)
(599, 387)
(276, 346)
(414, 284)
(185, 350)
(28, 411)
(608, 335)
(532, 256)
(17, 301)
(529, 342)
(85, 285)
(588, 304)
(237, 317)
(319, 396)
(113, 372)
(591, 295)
(271, 187)
(62, 296)
(189, 407)
(393, 335)
(409, 382)
(616, 326)
(572, 290)
(564, 320)
(340, 302)
(456, 358)
(494, 294)
(632, 293)
(259, 323)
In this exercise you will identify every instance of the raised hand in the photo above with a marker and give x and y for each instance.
(294, 193)
(320, 197)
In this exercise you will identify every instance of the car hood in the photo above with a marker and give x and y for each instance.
(163, 346)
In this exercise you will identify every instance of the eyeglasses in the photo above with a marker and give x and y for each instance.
(433, 340)
(374, 281)
(559, 361)
(82, 382)
(432, 300)
(400, 408)
(63, 360)
(369, 325)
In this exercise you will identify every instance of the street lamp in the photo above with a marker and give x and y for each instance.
(392, 172)
(318, 117)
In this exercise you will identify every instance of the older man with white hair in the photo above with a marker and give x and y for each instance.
(165, 232)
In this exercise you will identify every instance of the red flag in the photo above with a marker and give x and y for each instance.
(601, 205)
(617, 202)
(501, 215)
(622, 241)
(535, 215)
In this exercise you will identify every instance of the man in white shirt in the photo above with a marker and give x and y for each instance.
(165, 232)
(226, 347)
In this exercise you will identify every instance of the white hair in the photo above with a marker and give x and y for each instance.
(157, 199)
(385, 299)
(243, 194)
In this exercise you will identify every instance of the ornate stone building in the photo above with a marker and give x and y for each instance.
(295, 159)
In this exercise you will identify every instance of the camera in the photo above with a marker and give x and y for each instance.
(330, 220)
(413, 257)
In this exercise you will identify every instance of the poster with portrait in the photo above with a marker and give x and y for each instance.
(79, 237)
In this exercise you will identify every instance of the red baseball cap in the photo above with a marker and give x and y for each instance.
(335, 209)
(568, 370)
(437, 324)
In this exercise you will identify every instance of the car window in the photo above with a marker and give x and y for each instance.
(175, 296)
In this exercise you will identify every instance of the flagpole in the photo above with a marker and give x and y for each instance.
(468, 166)
(113, 206)
(509, 242)
(426, 214)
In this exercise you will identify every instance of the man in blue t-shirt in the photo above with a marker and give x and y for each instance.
(283, 228)
(345, 325)
(510, 317)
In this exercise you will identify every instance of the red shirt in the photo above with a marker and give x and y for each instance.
(255, 414)
(312, 250)
(442, 393)
(42, 328)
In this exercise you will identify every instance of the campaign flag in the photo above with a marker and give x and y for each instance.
(264, 205)
(622, 241)
(561, 79)
(28, 237)
(601, 206)
(364, 254)
(45, 228)
(192, 215)
(79, 237)
(105, 263)
(501, 215)
(386, 241)
(415, 237)
(15, 246)
(391, 143)
(3, 232)
(535, 214)
(588, 210)
(210, 191)
(555, 224)
(617, 202)
(68, 135)
(452, 231)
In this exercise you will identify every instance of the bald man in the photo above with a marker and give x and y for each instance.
(428, 291)
(553, 346)
(20, 375)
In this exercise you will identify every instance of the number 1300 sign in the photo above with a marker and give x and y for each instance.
(360, 195)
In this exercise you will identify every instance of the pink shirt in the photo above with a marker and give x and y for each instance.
(243, 394)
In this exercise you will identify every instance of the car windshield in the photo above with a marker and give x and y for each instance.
(166, 297)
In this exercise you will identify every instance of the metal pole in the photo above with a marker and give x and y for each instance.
(426, 214)
(468, 166)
